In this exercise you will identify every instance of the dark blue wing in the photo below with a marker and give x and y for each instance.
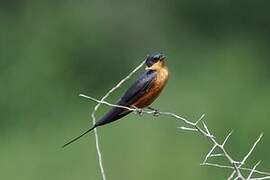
(142, 85)
(137, 90)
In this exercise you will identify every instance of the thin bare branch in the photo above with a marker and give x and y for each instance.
(194, 127)
(209, 153)
(230, 167)
(188, 126)
(217, 155)
(252, 149)
(226, 139)
(200, 119)
(247, 156)
(261, 178)
(253, 169)
(187, 129)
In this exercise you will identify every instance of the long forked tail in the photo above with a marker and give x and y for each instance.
(78, 137)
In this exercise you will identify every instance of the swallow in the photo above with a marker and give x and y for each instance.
(141, 94)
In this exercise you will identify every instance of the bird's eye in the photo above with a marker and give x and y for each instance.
(156, 58)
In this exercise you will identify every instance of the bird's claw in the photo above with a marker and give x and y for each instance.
(137, 110)
(156, 112)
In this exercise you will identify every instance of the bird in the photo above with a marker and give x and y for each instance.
(142, 93)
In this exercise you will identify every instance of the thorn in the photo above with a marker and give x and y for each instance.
(226, 139)
(202, 116)
(187, 129)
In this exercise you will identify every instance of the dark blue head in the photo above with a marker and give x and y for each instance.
(154, 58)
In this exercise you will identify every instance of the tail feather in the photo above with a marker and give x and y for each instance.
(113, 115)
(78, 137)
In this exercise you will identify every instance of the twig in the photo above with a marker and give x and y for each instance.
(253, 169)
(261, 178)
(216, 155)
(191, 126)
(230, 167)
(251, 150)
(206, 133)
(247, 156)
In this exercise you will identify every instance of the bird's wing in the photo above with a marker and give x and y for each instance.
(139, 88)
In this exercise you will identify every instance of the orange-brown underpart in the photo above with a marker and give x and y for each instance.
(157, 86)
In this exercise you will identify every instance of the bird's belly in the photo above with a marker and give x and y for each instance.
(149, 97)
(154, 91)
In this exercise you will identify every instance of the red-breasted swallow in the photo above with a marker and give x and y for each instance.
(141, 94)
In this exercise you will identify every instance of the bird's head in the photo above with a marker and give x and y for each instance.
(155, 59)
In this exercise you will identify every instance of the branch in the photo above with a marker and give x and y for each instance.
(205, 132)
(198, 127)
(247, 156)
(253, 169)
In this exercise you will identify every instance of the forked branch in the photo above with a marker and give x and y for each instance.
(198, 127)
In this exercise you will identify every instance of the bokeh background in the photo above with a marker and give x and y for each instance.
(50, 51)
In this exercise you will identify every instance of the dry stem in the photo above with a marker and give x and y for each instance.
(198, 127)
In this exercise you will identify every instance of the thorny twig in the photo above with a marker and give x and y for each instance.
(204, 131)
(235, 165)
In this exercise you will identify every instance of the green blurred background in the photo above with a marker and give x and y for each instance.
(50, 51)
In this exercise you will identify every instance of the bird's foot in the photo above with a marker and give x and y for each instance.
(156, 112)
(137, 110)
